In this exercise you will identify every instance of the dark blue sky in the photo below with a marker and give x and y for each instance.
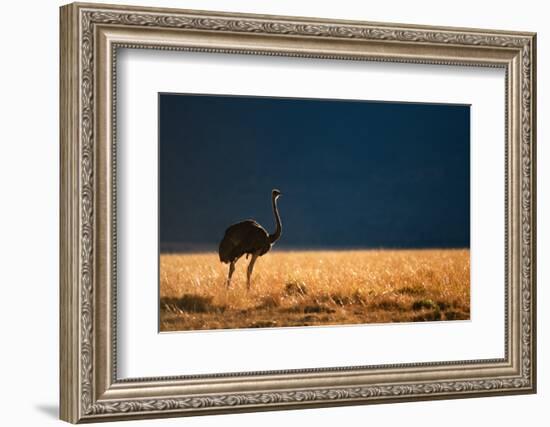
(352, 173)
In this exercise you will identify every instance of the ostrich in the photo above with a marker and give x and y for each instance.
(250, 238)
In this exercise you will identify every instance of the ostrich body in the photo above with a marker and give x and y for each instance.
(250, 238)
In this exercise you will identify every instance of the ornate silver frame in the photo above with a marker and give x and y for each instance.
(90, 36)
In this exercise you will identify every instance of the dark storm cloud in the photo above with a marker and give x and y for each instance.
(352, 174)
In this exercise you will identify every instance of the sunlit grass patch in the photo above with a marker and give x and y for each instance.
(301, 288)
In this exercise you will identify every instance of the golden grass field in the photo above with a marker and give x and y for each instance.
(301, 288)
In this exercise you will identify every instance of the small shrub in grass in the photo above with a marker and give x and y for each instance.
(295, 288)
(424, 304)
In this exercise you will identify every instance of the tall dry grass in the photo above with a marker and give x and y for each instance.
(298, 288)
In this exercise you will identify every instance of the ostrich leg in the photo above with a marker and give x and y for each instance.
(231, 270)
(249, 270)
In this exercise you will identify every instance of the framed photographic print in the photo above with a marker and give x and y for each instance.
(352, 184)
(266, 212)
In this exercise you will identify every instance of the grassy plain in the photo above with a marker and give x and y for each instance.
(301, 288)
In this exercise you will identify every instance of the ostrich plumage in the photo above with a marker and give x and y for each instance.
(250, 238)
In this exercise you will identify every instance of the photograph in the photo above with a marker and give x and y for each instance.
(345, 209)
(302, 212)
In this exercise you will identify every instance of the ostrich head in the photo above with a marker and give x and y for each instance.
(275, 193)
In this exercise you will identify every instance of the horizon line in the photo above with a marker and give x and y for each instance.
(328, 249)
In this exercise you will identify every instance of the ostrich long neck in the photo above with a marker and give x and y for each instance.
(279, 228)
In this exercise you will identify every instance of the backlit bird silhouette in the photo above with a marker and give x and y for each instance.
(250, 238)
